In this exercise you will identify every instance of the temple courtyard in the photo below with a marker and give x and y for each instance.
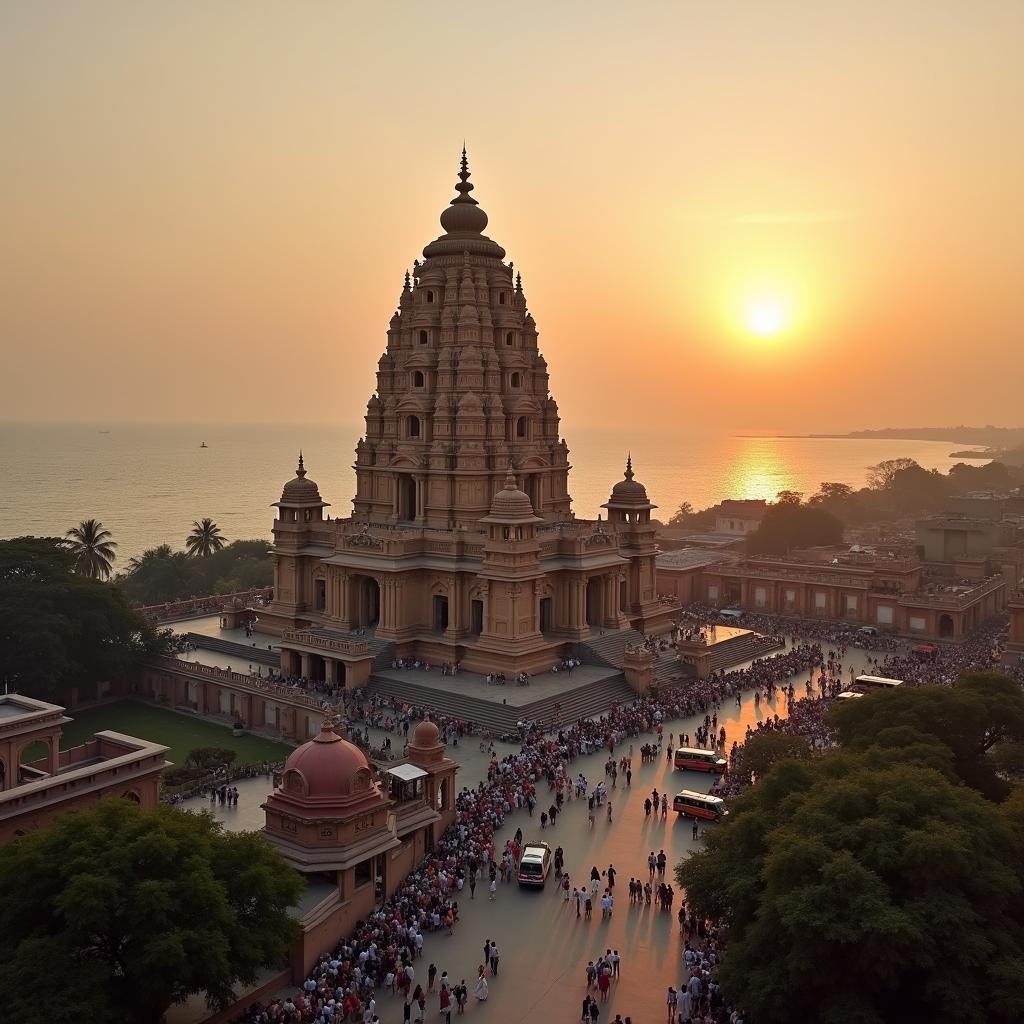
(544, 948)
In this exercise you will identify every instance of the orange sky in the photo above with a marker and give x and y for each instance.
(208, 208)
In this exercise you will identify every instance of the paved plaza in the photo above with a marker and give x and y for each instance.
(544, 948)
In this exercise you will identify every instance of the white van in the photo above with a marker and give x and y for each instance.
(534, 865)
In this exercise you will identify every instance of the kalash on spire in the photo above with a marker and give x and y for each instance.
(462, 545)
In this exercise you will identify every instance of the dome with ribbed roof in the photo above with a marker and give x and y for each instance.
(629, 492)
(464, 221)
(511, 505)
(327, 767)
(300, 491)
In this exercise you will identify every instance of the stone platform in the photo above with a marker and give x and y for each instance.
(551, 696)
(727, 647)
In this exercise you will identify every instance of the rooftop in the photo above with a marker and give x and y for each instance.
(688, 558)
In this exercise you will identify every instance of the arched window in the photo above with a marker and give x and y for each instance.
(417, 379)
(424, 337)
(517, 379)
(521, 427)
(430, 295)
(412, 426)
(508, 338)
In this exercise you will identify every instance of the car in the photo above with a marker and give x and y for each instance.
(867, 631)
(534, 865)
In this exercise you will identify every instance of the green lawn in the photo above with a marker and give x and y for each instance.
(180, 732)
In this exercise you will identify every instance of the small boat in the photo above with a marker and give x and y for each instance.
(204, 445)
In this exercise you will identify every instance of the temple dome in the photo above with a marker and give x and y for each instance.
(464, 221)
(300, 490)
(511, 505)
(426, 735)
(629, 491)
(330, 766)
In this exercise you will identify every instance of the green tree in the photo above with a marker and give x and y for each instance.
(788, 524)
(160, 575)
(764, 750)
(59, 629)
(94, 549)
(204, 539)
(861, 888)
(210, 757)
(981, 710)
(140, 910)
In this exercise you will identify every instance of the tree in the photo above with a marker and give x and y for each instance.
(788, 524)
(143, 909)
(880, 477)
(764, 750)
(204, 539)
(851, 882)
(160, 575)
(831, 494)
(981, 710)
(59, 629)
(789, 498)
(210, 757)
(681, 514)
(94, 549)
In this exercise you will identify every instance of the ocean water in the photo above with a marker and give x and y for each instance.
(148, 482)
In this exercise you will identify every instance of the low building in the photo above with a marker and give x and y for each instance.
(354, 838)
(1013, 655)
(740, 517)
(39, 781)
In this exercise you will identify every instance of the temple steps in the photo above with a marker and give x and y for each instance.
(232, 647)
(581, 701)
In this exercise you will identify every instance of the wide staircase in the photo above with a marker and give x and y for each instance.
(235, 649)
(566, 706)
(740, 649)
(610, 649)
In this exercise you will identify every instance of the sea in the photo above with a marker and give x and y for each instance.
(147, 483)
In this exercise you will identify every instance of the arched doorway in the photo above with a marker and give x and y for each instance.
(594, 601)
(366, 606)
(945, 625)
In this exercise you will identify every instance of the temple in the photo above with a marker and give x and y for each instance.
(462, 546)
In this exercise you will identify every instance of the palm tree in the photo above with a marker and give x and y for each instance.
(93, 548)
(204, 539)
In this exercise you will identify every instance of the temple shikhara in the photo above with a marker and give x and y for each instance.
(462, 546)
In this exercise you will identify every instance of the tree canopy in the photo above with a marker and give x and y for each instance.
(132, 911)
(789, 523)
(968, 720)
(59, 629)
(871, 884)
(160, 574)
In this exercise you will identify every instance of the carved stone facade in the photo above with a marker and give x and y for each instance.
(462, 545)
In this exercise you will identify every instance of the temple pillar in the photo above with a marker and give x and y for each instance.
(304, 666)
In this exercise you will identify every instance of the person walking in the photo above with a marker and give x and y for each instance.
(695, 829)
(495, 956)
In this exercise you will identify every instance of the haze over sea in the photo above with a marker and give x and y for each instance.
(148, 482)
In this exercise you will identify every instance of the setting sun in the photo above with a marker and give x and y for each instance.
(766, 316)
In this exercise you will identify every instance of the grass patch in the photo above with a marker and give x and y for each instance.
(181, 733)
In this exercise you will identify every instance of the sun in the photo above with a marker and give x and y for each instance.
(766, 316)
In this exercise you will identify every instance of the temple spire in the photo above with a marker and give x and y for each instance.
(629, 466)
(510, 479)
(301, 471)
(465, 186)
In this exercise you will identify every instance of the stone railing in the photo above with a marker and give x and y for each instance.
(794, 574)
(242, 681)
(211, 604)
(308, 638)
(962, 599)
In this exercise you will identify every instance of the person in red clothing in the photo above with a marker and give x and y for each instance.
(604, 982)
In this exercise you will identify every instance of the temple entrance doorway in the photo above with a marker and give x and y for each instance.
(622, 596)
(945, 626)
(440, 613)
(366, 607)
(532, 488)
(477, 617)
(547, 615)
(594, 601)
(317, 668)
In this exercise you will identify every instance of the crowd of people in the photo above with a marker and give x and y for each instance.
(383, 952)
